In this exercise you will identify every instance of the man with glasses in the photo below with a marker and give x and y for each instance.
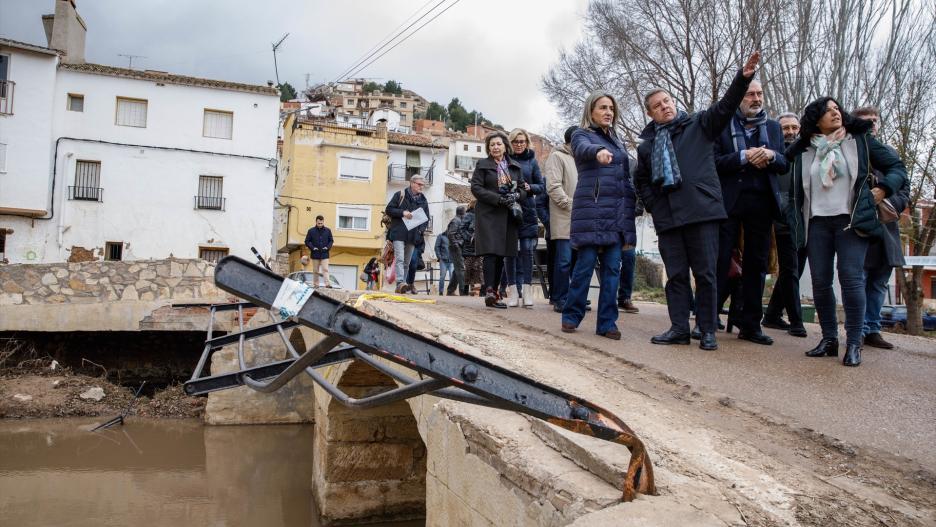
(401, 206)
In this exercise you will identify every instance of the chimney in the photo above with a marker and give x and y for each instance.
(65, 31)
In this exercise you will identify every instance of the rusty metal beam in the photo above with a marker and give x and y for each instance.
(448, 366)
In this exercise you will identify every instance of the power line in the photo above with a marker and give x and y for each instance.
(379, 47)
(383, 41)
(362, 68)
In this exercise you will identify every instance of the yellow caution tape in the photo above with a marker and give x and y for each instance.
(390, 298)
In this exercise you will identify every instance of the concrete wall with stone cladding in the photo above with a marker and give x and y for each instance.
(100, 295)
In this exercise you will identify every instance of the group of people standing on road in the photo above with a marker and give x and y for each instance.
(722, 185)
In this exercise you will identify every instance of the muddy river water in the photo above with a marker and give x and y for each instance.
(155, 472)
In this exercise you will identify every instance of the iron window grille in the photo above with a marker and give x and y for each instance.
(87, 185)
(399, 172)
(113, 251)
(210, 193)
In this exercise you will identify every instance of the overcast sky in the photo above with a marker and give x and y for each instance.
(488, 53)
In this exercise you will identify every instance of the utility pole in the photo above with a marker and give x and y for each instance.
(130, 57)
(275, 66)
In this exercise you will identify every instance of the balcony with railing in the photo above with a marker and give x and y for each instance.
(86, 193)
(209, 202)
(402, 173)
(6, 97)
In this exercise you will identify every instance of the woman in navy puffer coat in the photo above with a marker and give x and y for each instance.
(520, 269)
(602, 214)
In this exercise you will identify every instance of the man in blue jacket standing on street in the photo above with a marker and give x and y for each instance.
(319, 241)
(678, 184)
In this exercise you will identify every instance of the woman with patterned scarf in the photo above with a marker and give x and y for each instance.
(835, 196)
(495, 184)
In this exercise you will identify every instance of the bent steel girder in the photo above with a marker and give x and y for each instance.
(452, 374)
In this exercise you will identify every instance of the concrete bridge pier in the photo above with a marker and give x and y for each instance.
(370, 464)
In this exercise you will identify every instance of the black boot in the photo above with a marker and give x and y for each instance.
(671, 336)
(826, 348)
(852, 355)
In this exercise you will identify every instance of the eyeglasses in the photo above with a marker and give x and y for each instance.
(518, 142)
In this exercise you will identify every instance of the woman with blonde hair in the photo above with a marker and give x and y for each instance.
(520, 269)
(602, 214)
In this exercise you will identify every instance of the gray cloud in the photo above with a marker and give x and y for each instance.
(489, 53)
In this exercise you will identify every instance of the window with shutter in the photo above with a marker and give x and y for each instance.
(351, 218)
(355, 168)
(218, 124)
(131, 112)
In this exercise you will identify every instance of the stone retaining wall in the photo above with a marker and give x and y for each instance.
(104, 281)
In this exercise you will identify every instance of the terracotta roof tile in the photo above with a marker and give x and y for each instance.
(168, 78)
(458, 193)
(396, 138)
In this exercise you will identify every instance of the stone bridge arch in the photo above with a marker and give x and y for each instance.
(370, 464)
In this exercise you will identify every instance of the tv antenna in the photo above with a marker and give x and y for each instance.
(130, 58)
(275, 66)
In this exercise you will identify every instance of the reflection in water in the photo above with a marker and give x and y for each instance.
(159, 472)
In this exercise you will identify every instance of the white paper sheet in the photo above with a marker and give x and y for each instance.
(419, 217)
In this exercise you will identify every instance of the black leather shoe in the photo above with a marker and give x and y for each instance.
(825, 348)
(875, 340)
(557, 308)
(797, 331)
(775, 323)
(852, 355)
(696, 333)
(757, 337)
(707, 342)
(670, 337)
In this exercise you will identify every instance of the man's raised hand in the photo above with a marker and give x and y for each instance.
(751, 65)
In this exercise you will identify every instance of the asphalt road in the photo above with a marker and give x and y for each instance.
(887, 403)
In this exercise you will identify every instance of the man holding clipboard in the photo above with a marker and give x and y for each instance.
(409, 213)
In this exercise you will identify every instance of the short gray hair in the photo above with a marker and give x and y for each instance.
(417, 177)
(651, 93)
(788, 115)
(590, 105)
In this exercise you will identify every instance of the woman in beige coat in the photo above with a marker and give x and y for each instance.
(561, 178)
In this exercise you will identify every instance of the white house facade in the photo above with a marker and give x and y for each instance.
(27, 88)
(130, 164)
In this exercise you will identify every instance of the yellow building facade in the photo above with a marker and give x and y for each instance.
(340, 173)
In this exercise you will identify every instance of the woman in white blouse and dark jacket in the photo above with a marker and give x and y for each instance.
(833, 200)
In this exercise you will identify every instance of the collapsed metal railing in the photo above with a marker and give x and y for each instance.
(443, 371)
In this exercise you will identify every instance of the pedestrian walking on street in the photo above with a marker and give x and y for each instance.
(372, 272)
(748, 157)
(319, 240)
(401, 205)
(443, 253)
(602, 214)
(790, 261)
(520, 269)
(884, 253)
(456, 243)
(835, 197)
(678, 184)
(473, 275)
(496, 186)
(561, 179)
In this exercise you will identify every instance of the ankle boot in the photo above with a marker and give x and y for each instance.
(852, 355)
(825, 348)
(513, 293)
(527, 295)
